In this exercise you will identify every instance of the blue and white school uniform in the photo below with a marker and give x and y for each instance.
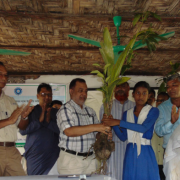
(139, 162)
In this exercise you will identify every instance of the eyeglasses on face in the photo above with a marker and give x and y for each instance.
(46, 94)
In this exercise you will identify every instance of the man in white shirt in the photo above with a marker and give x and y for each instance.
(10, 121)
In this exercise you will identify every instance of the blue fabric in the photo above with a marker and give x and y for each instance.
(163, 126)
(41, 148)
(115, 162)
(144, 166)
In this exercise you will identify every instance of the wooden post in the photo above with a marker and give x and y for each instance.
(76, 6)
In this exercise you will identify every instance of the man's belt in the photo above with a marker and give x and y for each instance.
(7, 144)
(77, 153)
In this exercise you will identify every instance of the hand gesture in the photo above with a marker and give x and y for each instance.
(174, 114)
(41, 118)
(103, 128)
(16, 113)
(48, 115)
(109, 121)
(43, 107)
(27, 110)
(110, 136)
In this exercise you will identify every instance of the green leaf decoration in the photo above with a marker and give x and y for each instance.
(116, 82)
(162, 87)
(106, 68)
(100, 89)
(95, 72)
(105, 58)
(98, 73)
(107, 79)
(136, 19)
(117, 63)
(96, 65)
(107, 46)
(157, 17)
(125, 67)
(146, 15)
(122, 57)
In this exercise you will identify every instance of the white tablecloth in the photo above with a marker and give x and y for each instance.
(93, 177)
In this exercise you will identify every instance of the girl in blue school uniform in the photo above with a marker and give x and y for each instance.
(137, 126)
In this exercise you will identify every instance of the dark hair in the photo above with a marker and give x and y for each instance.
(174, 76)
(142, 84)
(44, 85)
(152, 91)
(56, 102)
(73, 82)
(163, 94)
(1, 64)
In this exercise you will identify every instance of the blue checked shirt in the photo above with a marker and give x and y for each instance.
(71, 114)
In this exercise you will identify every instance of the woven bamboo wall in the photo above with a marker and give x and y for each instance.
(42, 27)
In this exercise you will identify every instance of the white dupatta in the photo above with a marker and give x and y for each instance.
(136, 137)
(171, 161)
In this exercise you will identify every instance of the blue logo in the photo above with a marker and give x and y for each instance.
(18, 91)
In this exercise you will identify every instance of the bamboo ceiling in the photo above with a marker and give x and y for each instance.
(42, 27)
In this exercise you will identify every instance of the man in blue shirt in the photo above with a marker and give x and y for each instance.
(41, 149)
(169, 117)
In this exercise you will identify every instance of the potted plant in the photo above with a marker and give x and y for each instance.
(112, 74)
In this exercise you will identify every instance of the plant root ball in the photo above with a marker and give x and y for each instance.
(103, 147)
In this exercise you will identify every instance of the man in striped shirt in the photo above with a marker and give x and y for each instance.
(78, 126)
(120, 105)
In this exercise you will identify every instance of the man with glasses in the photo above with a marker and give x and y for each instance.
(11, 118)
(41, 149)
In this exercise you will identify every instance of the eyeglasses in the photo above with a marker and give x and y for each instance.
(46, 94)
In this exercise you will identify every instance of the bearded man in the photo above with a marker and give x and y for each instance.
(120, 105)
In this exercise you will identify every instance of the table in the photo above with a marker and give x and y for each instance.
(52, 177)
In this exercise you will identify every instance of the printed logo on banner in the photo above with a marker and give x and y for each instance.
(18, 91)
(56, 88)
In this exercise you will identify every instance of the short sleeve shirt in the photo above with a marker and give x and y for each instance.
(71, 114)
(7, 106)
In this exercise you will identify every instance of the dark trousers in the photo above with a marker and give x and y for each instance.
(161, 173)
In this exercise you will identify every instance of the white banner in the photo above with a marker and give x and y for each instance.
(22, 93)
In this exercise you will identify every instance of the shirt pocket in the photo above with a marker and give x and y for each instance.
(91, 119)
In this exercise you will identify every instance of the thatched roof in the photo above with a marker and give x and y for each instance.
(42, 27)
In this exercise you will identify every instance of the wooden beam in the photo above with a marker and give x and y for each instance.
(70, 6)
(76, 6)
(36, 74)
(55, 15)
(80, 48)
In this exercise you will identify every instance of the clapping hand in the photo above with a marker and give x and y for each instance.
(48, 115)
(174, 114)
(16, 113)
(27, 110)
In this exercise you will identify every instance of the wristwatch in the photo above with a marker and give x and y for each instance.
(26, 118)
